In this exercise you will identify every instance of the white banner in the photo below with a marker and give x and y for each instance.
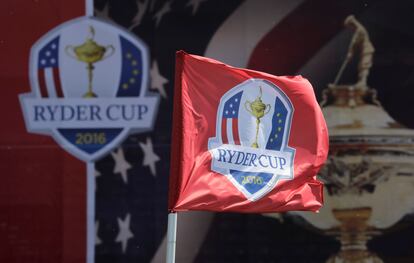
(53, 113)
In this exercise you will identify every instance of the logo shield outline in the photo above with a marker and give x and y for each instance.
(36, 94)
(216, 143)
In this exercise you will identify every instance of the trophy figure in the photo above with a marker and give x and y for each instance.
(362, 43)
(90, 52)
(258, 109)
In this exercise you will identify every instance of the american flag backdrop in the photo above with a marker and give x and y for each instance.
(307, 37)
(132, 182)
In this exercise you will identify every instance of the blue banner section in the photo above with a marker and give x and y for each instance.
(131, 76)
(49, 54)
(231, 107)
(278, 126)
(252, 182)
(89, 140)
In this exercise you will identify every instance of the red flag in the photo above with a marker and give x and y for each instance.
(243, 140)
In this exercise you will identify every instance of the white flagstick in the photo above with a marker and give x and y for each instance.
(90, 189)
(90, 212)
(89, 7)
(171, 237)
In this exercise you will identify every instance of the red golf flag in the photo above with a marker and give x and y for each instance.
(243, 140)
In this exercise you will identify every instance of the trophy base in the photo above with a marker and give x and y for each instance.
(353, 233)
(90, 94)
(255, 145)
(357, 256)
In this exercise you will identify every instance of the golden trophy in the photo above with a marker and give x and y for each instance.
(90, 52)
(258, 109)
(370, 164)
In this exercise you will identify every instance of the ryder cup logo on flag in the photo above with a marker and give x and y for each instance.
(252, 130)
(89, 87)
(244, 140)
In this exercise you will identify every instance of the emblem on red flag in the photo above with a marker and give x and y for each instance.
(252, 131)
(244, 140)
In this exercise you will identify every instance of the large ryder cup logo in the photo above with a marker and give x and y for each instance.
(89, 87)
(252, 132)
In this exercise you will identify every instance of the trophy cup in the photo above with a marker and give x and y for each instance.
(369, 175)
(90, 52)
(258, 109)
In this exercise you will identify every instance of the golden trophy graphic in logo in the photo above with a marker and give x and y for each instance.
(90, 52)
(258, 109)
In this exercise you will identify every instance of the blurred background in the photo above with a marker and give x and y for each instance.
(369, 200)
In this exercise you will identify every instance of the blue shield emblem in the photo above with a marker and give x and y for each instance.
(252, 132)
(89, 84)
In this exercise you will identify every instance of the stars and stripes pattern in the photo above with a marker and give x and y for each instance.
(170, 25)
(48, 70)
(125, 216)
(131, 183)
(230, 120)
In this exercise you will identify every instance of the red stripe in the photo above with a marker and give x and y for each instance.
(42, 83)
(235, 128)
(224, 131)
(56, 78)
(299, 36)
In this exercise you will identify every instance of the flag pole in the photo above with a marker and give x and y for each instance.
(89, 7)
(171, 237)
(90, 212)
(90, 185)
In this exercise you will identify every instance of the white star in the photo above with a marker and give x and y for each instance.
(124, 232)
(121, 165)
(47, 53)
(150, 158)
(231, 105)
(98, 241)
(53, 46)
(43, 61)
(164, 9)
(236, 100)
(52, 61)
(233, 112)
(157, 80)
(195, 4)
(227, 112)
(141, 9)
